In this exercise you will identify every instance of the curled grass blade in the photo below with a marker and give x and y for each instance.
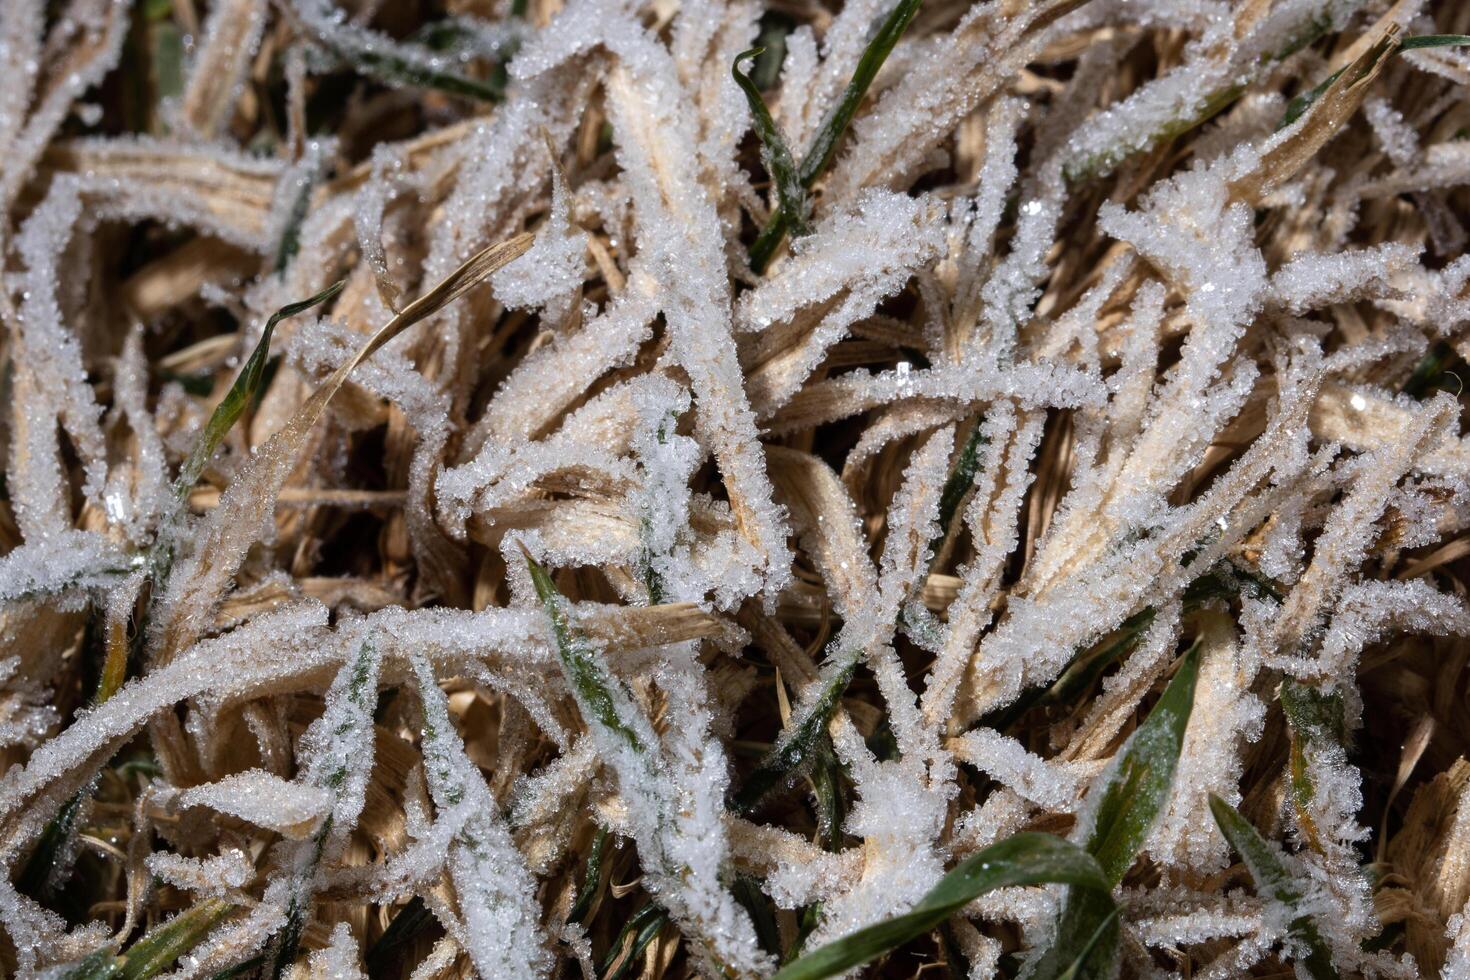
(1273, 880)
(775, 154)
(1023, 859)
(243, 392)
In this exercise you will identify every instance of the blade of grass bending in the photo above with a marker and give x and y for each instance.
(1135, 792)
(1272, 879)
(585, 672)
(775, 154)
(642, 926)
(156, 951)
(1023, 859)
(829, 134)
(242, 392)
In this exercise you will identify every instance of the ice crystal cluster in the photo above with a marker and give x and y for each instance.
(660, 488)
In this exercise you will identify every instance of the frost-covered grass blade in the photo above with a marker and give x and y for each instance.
(1275, 882)
(829, 135)
(775, 154)
(1023, 859)
(157, 950)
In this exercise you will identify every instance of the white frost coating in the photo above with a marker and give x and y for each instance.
(264, 799)
(1310, 282)
(52, 369)
(553, 267)
(676, 229)
(1225, 715)
(61, 565)
(497, 895)
(338, 960)
(213, 875)
(1457, 964)
(1202, 378)
(1044, 783)
(840, 273)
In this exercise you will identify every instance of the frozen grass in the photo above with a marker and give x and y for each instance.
(702, 488)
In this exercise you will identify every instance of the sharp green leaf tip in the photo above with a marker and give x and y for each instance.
(1139, 781)
(242, 392)
(1022, 859)
(775, 152)
(1275, 882)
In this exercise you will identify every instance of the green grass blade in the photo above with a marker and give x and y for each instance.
(1139, 781)
(411, 920)
(1311, 716)
(1087, 945)
(640, 929)
(1431, 369)
(800, 740)
(592, 880)
(1301, 103)
(242, 392)
(157, 950)
(829, 135)
(775, 154)
(828, 786)
(824, 146)
(395, 72)
(1023, 859)
(1273, 880)
(47, 867)
(747, 892)
(957, 485)
(590, 680)
(1434, 41)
